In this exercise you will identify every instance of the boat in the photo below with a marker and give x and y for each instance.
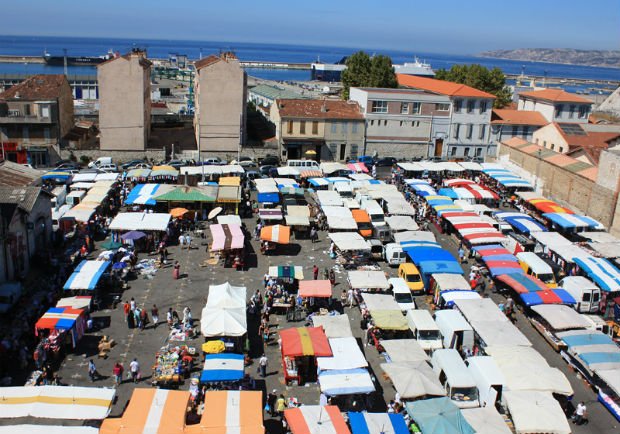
(415, 68)
(328, 71)
(76, 60)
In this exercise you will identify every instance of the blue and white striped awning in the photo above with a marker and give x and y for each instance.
(346, 382)
(525, 224)
(424, 190)
(377, 423)
(334, 179)
(572, 221)
(318, 182)
(142, 194)
(514, 182)
(222, 367)
(601, 271)
(86, 275)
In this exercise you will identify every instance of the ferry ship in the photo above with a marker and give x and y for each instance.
(415, 68)
(76, 60)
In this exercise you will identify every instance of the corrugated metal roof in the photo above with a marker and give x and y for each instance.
(24, 197)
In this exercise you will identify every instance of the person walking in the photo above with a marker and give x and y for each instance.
(314, 235)
(271, 402)
(580, 416)
(262, 364)
(134, 369)
(332, 276)
(155, 316)
(281, 406)
(92, 371)
(315, 272)
(117, 372)
(176, 270)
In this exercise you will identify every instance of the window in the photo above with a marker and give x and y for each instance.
(483, 106)
(470, 130)
(45, 111)
(526, 131)
(354, 151)
(478, 152)
(372, 122)
(483, 132)
(315, 127)
(27, 111)
(354, 127)
(385, 123)
(334, 127)
(416, 108)
(544, 143)
(458, 103)
(561, 149)
(583, 111)
(332, 150)
(442, 107)
(289, 127)
(466, 152)
(25, 133)
(345, 126)
(558, 110)
(553, 146)
(415, 123)
(46, 133)
(471, 104)
(457, 128)
(379, 107)
(404, 108)
(514, 130)
(571, 111)
(302, 127)
(453, 151)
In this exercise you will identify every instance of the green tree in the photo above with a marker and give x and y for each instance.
(489, 80)
(364, 71)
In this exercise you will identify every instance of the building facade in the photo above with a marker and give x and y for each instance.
(402, 123)
(325, 130)
(125, 102)
(556, 105)
(506, 123)
(220, 86)
(35, 117)
(469, 134)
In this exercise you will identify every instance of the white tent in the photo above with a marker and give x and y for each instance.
(328, 198)
(56, 402)
(404, 350)
(81, 212)
(480, 309)
(345, 382)
(536, 412)
(140, 221)
(365, 279)
(346, 355)
(485, 420)
(380, 302)
(339, 218)
(335, 326)
(451, 282)
(416, 235)
(226, 296)
(229, 219)
(561, 317)
(297, 215)
(349, 241)
(413, 379)
(399, 223)
(498, 333)
(224, 314)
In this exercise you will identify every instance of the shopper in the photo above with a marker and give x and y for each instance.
(262, 364)
(134, 369)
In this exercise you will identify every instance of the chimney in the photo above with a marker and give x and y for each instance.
(324, 107)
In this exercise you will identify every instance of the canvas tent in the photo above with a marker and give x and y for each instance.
(536, 412)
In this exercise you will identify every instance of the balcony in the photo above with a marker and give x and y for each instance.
(22, 119)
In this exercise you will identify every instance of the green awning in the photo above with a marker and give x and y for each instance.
(189, 194)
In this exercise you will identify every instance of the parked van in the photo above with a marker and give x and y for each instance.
(57, 214)
(534, 266)
(455, 378)
(489, 379)
(375, 212)
(393, 254)
(424, 329)
(75, 197)
(598, 323)
(100, 162)
(304, 164)
(410, 273)
(362, 219)
(586, 294)
(382, 233)
(401, 294)
(455, 329)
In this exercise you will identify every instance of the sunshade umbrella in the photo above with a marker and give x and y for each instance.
(310, 152)
(133, 235)
(214, 212)
(111, 245)
(178, 212)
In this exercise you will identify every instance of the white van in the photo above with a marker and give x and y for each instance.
(533, 265)
(99, 162)
(424, 329)
(394, 255)
(304, 164)
(455, 329)
(402, 294)
(586, 294)
(57, 214)
(455, 378)
(59, 195)
(489, 379)
(598, 323)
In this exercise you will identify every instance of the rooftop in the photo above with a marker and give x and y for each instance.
(24, 197)
(518, 117)
(318, 109)
(17, 175)
(212, 59)
(37, 87)
(554, 95)
(441, 87)
(140, 54)
(274, 92)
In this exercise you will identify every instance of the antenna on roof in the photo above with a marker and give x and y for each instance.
(64, 50)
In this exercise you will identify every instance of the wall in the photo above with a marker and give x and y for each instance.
(579, 193)
(348, 133)
(548, 136)
(118, 156)
(455, 146)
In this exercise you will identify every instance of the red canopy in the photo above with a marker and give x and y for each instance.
(472, 225)
(492, 252)
(315, 288)
(522, 283)
(449, 214)
(305, 341)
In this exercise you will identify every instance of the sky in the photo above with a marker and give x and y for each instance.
(447, 26)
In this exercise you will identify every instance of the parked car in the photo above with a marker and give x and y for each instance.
(269, 160)
(140, 166)
(264, 170)
(177, 164)
(386, 161)
(130, 164)
(67, 167)
(108, 168)
(213, 161)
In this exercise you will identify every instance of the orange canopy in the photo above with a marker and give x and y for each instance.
(311, 419)
(178, 212)
(231, 411)
(546, 205)
(305, 341)
(276, 234)
(150, 410)
(315, 288)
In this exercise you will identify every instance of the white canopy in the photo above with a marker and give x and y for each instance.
(485, 420)
(331, 167)
(561, 317)
(84, 177)
(328, 198)
(75, 302)
(345, 382)
(607, 249)
(335, 326)
(226, 296)
(346, 355)
(140, 221)
(224, 314)
(349, 241)
(56, 402)
(365, 279)
(480, 309)
(404, 350)
(107, 176)
(451, 282)
(413, 379)
(499, 333)
(550, 239)
(470, 165)
(81, 186)
(411, 167)
(211, 170)
(536, 412)
(229, 219)
(400, 207)
(297, 215)
(379, 301)
(400, 223)
(599, 237)
(339, 218)
(401, 237)
(288, 171)
(611, 377)
(81, 212)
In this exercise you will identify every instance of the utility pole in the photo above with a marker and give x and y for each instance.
(538, 154)
(64, 50)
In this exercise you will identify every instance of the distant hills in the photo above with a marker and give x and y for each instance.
(606, 58)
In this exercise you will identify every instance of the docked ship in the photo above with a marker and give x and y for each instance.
(76, 60)
(328, 71)
(415, 68)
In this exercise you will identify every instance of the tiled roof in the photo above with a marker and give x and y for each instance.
(318, 109)
(554, 95)
(441, 87)
(515, 142)
(210, 60)
(23, 197)
(41, 87)
(518, 117)
(17, 175)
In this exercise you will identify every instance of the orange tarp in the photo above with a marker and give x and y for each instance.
(312, 419)
(305, 341)
(315, 288)
(231, 411)
(276, 234)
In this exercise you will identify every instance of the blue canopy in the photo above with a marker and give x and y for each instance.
(318, 182)
(142, 194)
(572, 221)
(440, 201)
(594, 338)
(86, 275)
(552, 296)
(222, 367)
(448, 192)
(514, 182)
(494, 170)
(269, 197)
(432, 260)
(438, 415)
(525, 224)
(602, 357)
(58, 176)
(601, 271)
(373, 423)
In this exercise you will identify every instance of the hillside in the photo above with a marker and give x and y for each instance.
(606, 58)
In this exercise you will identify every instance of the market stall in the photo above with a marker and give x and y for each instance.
(273, 235)
(550, 319)
(377, 423)
(368, 280)
(536, 412)
(315, 290)
(300, 348)
(224, 315)
(448, 287)
(486, 420)
(403, 350)
(314, 419)
(231, 411)
(438, 415)
(335, 326)
(59, 326)
(413, 379)
(76, 302)
(222, 367)
(228, 243)
(269, 215)
(140, 221)
(172, 365)
(86, 275)
(346, 382)
(298, 217)
(601, 271)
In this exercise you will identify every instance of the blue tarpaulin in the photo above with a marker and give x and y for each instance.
(86, 275)
(601, 271)
(438, 415)
(594, 338)
(572, 221)
(375, 423)
(142, 194)
(525, 224)
(222, 367)
(448, 192)
(269, 197)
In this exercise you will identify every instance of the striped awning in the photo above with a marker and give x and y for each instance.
(305, 341)
(276, 234)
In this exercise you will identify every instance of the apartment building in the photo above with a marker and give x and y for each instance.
(508, 123)
(556, 105)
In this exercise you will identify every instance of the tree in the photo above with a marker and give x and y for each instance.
(489, 80)
(364, 71)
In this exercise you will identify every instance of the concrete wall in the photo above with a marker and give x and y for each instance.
(124, 103)
(118, 156)
(349, 134)
(579, 193)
